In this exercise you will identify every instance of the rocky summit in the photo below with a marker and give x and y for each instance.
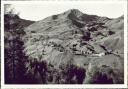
(75, 48)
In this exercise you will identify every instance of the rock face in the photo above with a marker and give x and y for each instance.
(75, 48)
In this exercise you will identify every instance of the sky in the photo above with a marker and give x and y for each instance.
(39, 11)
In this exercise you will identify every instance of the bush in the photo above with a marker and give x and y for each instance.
(54, 17)
(104, 75)
(111, 32)
(72, 74)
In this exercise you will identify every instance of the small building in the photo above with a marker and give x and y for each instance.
(99, 54)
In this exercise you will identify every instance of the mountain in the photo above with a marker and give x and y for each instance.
(75, 48)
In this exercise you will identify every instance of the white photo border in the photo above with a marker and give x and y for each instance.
(59, 86)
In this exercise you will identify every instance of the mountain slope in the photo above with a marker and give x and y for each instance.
(85, 41)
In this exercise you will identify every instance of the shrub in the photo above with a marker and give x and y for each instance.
(111, 32)
(54, 17)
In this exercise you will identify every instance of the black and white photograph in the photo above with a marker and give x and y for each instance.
(70, 43)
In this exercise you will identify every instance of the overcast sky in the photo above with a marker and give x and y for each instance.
(40, 11)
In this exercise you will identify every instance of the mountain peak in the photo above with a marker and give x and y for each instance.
(75, 12)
